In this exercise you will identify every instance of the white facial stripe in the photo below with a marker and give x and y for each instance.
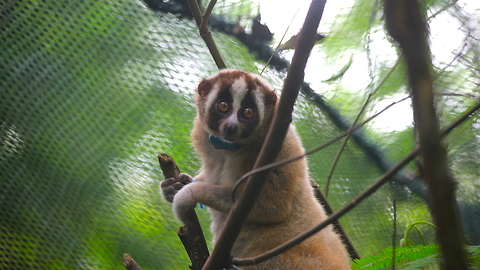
(239, 90)
(211, 98)
(259, 96)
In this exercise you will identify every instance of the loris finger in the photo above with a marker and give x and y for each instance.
(168, 182)
(177, 186)
(185, 178)
(168, 192)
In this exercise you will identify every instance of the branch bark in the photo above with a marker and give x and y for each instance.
(407, 25)
(191, 235)
(130, 263)
(282, 118)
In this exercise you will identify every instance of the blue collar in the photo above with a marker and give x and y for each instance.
(222, 144)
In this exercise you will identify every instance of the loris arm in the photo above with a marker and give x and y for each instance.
(273, 205)
(213, 196)
(185, 194)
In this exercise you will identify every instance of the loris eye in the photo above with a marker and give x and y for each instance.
(223, 106)
(248, 113)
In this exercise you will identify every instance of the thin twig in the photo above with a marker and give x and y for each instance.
(279, 43)
(196, 12)
(277, 132)
(442, 10)
(382, 81)
(309, 152)
(360, 113)
(394, 233)
(457, 95)
(353, 203)
(458, 55)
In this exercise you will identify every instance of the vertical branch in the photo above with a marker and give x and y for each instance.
(394, 233)
(191, 235)
(407, 25)
(276, 135)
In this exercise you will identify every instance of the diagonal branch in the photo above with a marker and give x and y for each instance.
(282, 118)
(311, 151)
(353, 203)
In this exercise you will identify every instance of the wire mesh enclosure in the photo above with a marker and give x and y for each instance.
(92, 91)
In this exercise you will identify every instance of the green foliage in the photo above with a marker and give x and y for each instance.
(414, 257)
(394, 83)
(406, 240)
(411, 256)
(402, 255)
(349, 30)
(90, 94)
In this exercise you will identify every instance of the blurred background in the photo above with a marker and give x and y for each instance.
(92, 91)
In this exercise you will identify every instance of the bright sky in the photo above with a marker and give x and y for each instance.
(445, 35)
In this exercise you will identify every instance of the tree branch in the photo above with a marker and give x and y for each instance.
(130, 263)
(206, 16)
(191, 235)
(353, 203)
(205, 33)
(407, 25)
(322, 198)
(278, 129)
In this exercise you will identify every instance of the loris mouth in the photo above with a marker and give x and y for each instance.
(220, 143)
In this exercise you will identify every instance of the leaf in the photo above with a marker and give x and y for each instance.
(416, 257)
(402, 255)
(423, 262)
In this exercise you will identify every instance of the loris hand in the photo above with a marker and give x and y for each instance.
(170, 186)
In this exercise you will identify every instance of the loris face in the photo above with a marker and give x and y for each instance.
(235, 106)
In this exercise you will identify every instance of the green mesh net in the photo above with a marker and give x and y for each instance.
(92, 91)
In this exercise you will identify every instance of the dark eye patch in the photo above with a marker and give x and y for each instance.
(248, 123)
(215, 117)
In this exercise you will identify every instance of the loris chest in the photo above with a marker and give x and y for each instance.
(226, 170)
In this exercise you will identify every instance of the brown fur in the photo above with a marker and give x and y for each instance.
(286, 206)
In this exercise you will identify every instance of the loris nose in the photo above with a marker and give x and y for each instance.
(230, 129)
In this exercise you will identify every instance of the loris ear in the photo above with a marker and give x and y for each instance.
(270, 98)
(204, 87)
